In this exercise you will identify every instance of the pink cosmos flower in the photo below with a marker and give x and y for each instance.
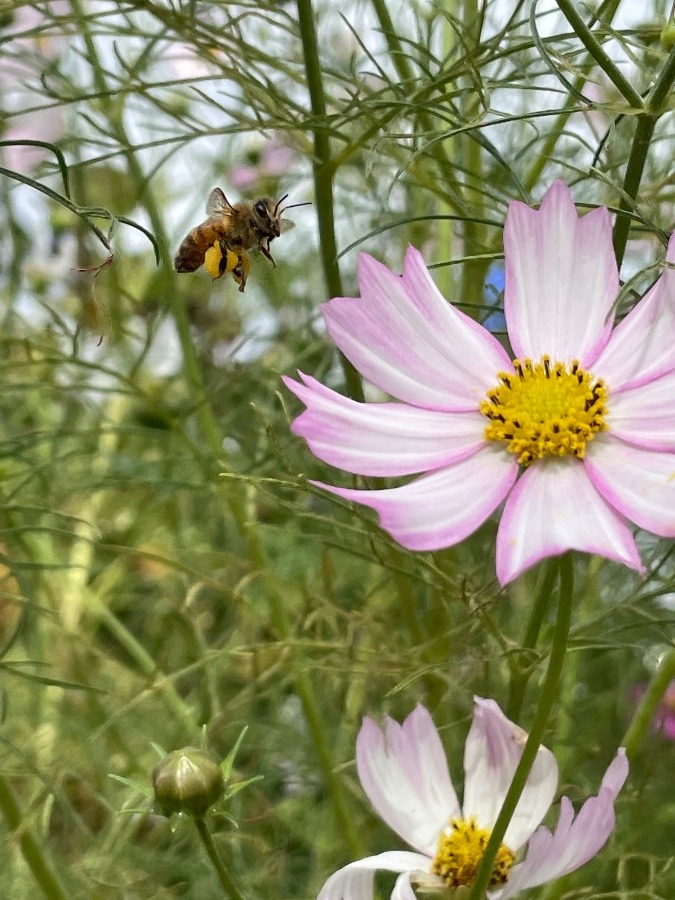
(27, 52)
(664, 717)
(404, 773)
(577, 434)
(264, 162)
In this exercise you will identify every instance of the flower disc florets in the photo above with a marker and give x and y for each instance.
(545, 409)
(460, 850)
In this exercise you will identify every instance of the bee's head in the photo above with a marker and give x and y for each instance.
(266, 212)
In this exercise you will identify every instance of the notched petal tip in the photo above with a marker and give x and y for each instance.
(559, 193)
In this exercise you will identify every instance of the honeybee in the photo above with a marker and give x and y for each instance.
(221, 243)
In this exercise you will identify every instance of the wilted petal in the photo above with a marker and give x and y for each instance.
(404, 774)
(443, 508)
(561, 278)
(575, 840)
(554, 507)
(355, 881)
(639, 483)
(492, 752)
(645, 415)
(405, 338)
(641, 346)
(382, 438)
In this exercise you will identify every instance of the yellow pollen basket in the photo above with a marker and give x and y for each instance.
(238, 265)
(460, 852)
(545, 409)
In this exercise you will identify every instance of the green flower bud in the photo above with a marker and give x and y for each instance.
(188, 781)
(667, 37)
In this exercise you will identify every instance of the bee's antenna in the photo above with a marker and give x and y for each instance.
(295, 205)
(279, 202)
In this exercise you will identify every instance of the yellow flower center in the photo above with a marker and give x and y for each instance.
(545, 409)
(460, 851)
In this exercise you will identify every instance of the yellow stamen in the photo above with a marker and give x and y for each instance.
(460, 850)
(545, 409)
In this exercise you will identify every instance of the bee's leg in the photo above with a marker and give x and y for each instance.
(222, 264)
(239, 274)
(265, 250)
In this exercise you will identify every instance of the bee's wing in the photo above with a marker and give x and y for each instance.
(218, 206)
(286, 225)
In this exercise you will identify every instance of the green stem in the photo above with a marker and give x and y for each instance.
(662, 87)
(398, 57)
(567, 724)
(644, 130)
(648, 706)
(520, 676)
(631, 182)
(30, 849)
(473, 270)
(548, 697)
(224, 876)
(594, 47)
(323, 176)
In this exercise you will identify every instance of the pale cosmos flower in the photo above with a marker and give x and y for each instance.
(26, 53)
(263, 162)
(404, 774)
(577, 434)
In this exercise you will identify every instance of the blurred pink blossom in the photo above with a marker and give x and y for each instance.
(664, 718)
(24, 60)
(262, 163)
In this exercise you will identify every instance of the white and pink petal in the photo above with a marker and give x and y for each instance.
(404, 773)
(441, 509)
(641, 346)
(407, 340)
(491, 754)
(355, 881)
(382, 439)
(575, 839)
(561, 278)
(639, 483)
(645, 415)
(553, 508)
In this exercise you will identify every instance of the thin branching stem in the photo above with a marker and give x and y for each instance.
(547, 700)
(594, 47)
(224, 876)
(520, 675)
(644, 131)
(323, 176)
(605, 14)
